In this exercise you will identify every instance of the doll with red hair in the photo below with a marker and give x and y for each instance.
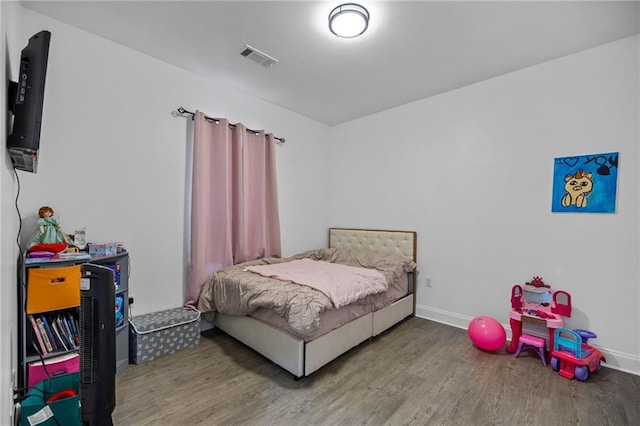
(48, 236)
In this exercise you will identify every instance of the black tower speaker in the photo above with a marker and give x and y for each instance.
(97, 345)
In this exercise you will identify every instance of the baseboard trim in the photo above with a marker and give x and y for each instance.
(616, 360)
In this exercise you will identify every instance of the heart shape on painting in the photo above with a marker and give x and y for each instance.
(570, 161)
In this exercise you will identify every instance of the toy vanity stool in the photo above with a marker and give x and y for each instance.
(538, 344)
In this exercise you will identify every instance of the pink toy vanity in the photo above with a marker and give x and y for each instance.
(537, 302)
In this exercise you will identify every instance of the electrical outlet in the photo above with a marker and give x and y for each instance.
(427, 281)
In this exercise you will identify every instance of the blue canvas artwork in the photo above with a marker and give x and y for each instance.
(585, 184)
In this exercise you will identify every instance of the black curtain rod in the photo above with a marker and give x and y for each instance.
(217, 120)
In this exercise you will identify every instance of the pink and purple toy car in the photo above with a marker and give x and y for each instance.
(572, 356)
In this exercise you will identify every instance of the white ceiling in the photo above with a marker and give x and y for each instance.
(412, 49)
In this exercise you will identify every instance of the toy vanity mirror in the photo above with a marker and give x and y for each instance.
(540, 296)
(536, 295)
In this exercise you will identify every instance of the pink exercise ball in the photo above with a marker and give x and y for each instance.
(487, 333)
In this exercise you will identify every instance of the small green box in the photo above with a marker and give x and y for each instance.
(61, 412)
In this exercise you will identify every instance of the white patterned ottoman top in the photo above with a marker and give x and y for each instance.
(157, 321)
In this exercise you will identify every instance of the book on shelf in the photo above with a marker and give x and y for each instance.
(54, 331)
(58, 336)
(43, 333)
(47, 328)
(61, 331)
(74, 329)
(68, 334)
(36, 331)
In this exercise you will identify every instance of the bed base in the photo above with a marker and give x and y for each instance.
(302, 358)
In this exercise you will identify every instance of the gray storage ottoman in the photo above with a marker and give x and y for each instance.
(162, 333)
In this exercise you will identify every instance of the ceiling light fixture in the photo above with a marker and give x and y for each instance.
(348, 20)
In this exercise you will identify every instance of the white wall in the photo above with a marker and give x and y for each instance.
(471, 171)
(9, 52)
(114, 159)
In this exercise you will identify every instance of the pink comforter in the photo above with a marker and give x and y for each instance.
(342, 284)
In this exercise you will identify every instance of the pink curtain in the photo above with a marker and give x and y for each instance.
(234, 199)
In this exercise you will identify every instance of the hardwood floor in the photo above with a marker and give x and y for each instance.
(418, 373)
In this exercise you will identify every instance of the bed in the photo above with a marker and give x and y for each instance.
(303, 349)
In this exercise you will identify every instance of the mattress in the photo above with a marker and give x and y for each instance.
(333, 318)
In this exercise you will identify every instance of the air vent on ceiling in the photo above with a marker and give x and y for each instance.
(258, 56)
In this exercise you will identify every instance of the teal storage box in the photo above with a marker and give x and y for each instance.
(36, 411)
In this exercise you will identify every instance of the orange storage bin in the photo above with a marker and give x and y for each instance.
(49, 289)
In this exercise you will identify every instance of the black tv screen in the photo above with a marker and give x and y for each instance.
(25, 101)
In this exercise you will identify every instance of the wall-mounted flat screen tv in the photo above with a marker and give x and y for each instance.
(25, 98)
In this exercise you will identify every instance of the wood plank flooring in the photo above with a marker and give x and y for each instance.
(418, 373)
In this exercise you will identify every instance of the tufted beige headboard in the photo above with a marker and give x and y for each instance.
(395, 241)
